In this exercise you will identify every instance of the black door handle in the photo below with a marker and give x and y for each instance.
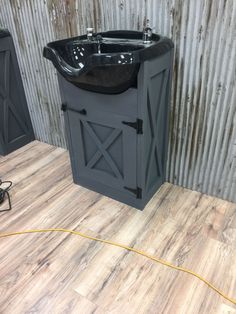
(83, 111)
(64, 107)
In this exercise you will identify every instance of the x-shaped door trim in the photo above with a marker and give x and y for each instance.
(102, 148)
(154, 121)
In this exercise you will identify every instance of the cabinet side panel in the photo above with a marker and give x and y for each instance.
(154, 84)
(64, 101)
(15, 124)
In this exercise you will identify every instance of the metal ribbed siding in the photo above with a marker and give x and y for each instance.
(202, 146)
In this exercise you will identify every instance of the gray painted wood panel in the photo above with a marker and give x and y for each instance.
(15, 125)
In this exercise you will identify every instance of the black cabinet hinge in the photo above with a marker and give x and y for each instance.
(64, 107)
(138, 125)
(137, 191)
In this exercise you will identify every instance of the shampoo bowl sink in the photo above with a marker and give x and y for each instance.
(114, 68)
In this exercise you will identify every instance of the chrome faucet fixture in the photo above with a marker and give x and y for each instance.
(147, 34)
(90, 33)
(99, 41)
(91, 37)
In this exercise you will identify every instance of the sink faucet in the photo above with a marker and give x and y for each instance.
(147, 34)
(89, 33)
(91, 37)
(99, 41)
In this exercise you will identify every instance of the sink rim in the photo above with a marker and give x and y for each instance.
(105, 59)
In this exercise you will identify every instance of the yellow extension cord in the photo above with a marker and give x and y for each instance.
(157, 260)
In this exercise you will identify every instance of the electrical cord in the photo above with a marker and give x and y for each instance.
(5, 192)
(157, 260)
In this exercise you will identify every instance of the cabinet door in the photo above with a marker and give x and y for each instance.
(103, 149)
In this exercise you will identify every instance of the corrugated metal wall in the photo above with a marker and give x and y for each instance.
(202, 146)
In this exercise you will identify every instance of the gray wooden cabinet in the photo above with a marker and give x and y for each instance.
(15, 124)
(118, 143)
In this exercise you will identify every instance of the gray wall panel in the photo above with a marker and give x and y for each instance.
(202, 145)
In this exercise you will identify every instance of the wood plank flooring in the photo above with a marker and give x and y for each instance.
(61, 273)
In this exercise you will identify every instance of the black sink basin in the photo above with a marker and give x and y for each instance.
(111, 70)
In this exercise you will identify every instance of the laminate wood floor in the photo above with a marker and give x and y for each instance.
(62, 273)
